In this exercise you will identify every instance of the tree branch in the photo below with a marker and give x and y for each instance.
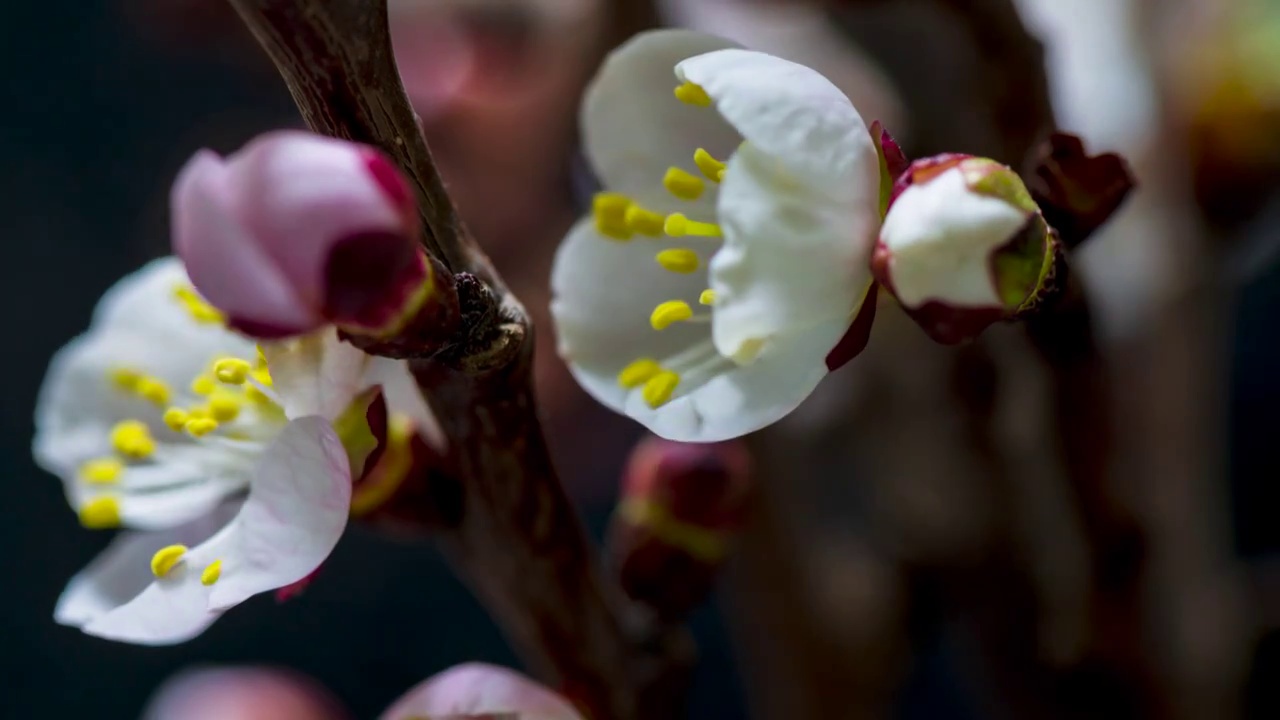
(501, 512)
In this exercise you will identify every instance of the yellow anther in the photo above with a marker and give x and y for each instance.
(199, 427)
(638, 373)
(708, 297)
(132, 438)
(610, 212)
(232, 371)
(176, 418)
(693, 94)
(198, 412)
(100, 513)
(678, 260)
(211, 573)
(196, 307)
(677, 225)
(262, 376)
(165, 558)
(124, 378)
(153, 389)
(683, 185)
(203, 385)
(710, 167)
(671, 311)
(658, 389)
(102, 471)
(645, 222)
(224, 407)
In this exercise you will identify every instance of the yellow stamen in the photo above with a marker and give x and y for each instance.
(645, 222)
(658, 389)
(211, 573)
(693, 94)
(708, 297)
(165, 558)
(100, 513)
(124, 378)
(132, 438)
(199, 427)
(671, 311)
(260, 399)
(677, 225)
(224, 407)
(610, 212)
(153, 389)
(683, 185)
(196, 307)
(232, 371)
(198, 412)
(203, 385)
(710, 167)
(638, 373)
(102, 471)
(262, 376)
(678, 260)
(176, 418)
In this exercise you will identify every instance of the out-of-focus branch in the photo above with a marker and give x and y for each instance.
(501, 512)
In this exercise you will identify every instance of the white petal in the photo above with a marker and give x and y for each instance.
(295, 513)
(634, 128)
(403, 396)
(941, 236)
(791, 258)
(603, 293)
(315, 374)
(122, 572)
(742, 399)
(170, 494)
(792, 113)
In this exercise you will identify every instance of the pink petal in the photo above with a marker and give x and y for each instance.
(223, 259)
(479, 689)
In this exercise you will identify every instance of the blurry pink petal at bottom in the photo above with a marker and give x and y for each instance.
(480, 690)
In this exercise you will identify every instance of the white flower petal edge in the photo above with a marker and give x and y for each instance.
(942, 235)
(789, 262)
(634, 128)
(295, 513)
(600, 334)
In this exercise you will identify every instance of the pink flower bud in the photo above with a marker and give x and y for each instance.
(297, 230)
(477, 691)
(682, 504)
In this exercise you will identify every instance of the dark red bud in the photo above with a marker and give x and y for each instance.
(1077, 192)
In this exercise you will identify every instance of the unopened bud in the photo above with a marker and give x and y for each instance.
(682, 504)
(476, 691)
(963, 246)
(297, 231)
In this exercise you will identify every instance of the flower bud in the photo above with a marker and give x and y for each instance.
(481, 692)
(681, 506)
(963, 246)
(296, 231)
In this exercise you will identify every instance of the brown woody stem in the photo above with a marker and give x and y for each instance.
(501, 512)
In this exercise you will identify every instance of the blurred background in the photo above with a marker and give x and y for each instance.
(947, 533)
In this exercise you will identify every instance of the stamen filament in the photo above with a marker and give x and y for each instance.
(677, 225)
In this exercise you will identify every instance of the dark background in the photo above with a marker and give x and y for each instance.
(98, 116)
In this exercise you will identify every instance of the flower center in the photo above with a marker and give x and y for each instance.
(228, 407)
(620, 218)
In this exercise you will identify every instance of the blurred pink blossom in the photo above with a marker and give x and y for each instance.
(297, 230)
(477, 689)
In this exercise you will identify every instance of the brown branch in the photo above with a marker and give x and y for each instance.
(501, 512)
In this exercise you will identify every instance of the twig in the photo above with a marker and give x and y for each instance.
(504, 518)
